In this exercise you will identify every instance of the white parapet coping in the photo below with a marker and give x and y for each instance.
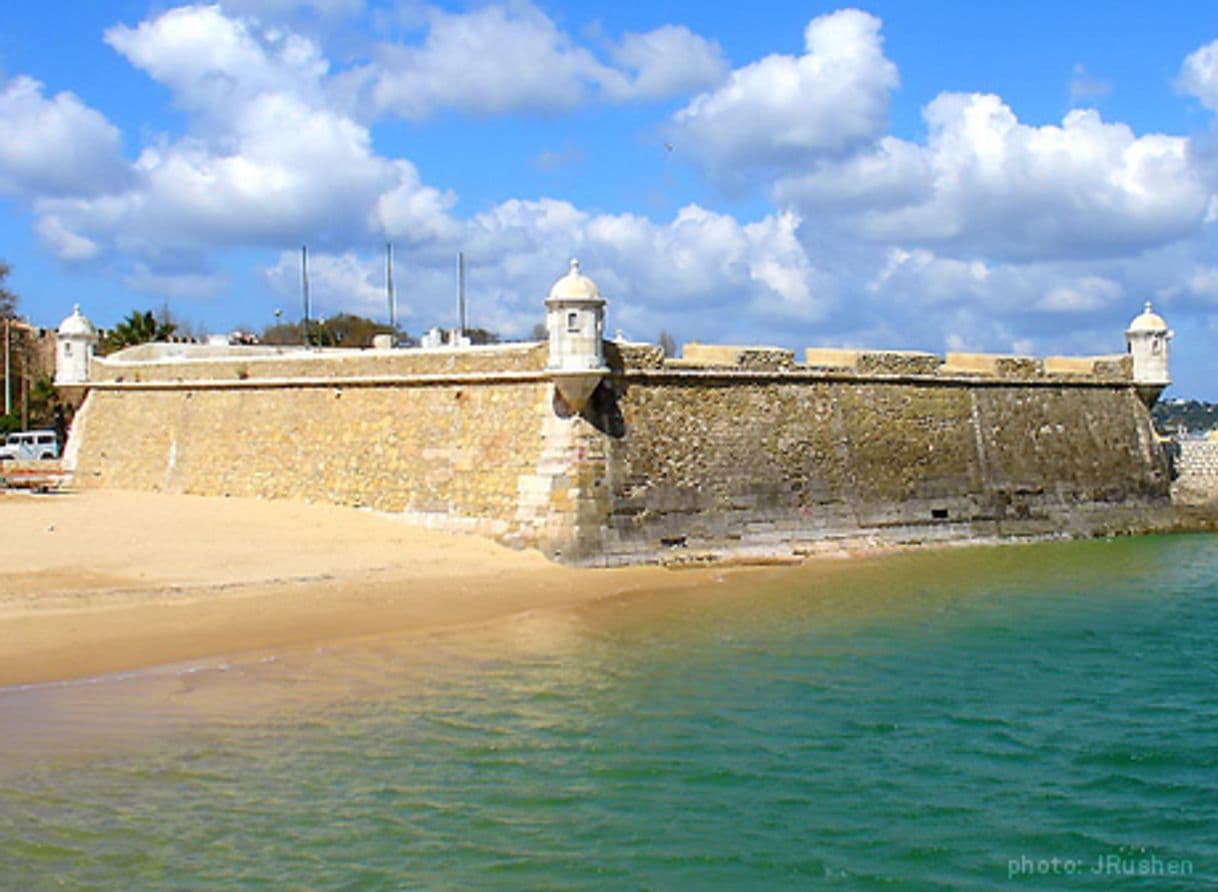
(831, 357)
(723, 354)
(1078, 365)
(429, 379)
(158, 354)
(981, 363)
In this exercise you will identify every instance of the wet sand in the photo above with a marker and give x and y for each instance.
(99, 582)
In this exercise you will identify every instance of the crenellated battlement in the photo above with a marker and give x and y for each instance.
(165, 364)
(862, 363)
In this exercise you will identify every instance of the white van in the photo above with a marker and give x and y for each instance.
(30, 446)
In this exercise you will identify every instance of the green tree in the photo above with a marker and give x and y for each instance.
(139, 328)
(44, 398)
(341, 330)
(285, 334)
(349, 330)
(319, 335)
(479, 336)
(8, 300)
(1179, 416)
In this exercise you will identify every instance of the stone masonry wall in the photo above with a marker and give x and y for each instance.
(698, 465)
(459, 456)
(1196, 467)
(746, 452)
(1198, 458)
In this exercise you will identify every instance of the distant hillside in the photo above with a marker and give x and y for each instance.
(1191, 416)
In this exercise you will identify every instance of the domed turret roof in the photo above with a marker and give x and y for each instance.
(77, 325)
(575, 286)
(1148, 320)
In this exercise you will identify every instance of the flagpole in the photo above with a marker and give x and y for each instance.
(304, 287)
(389, 292)
(461, 290)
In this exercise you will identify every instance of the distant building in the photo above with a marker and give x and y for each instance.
(435, 338)
(234, 337)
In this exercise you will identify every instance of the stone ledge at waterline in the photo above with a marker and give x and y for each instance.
(726, 451)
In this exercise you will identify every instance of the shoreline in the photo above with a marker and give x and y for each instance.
(99, 582)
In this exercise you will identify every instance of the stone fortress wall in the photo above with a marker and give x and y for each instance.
(448, 438)
(1195, 463)
(728, 450)
(742, 449)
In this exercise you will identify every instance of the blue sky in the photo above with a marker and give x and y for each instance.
(943, 176)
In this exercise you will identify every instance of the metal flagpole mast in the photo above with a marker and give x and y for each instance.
(461, 289)
(304, 287)
(389, 292)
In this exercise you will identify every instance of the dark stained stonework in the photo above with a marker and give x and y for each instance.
(732, 465)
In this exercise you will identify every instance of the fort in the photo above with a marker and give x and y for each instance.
(607, 452)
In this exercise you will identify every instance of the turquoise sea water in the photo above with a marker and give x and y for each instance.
(948, 720)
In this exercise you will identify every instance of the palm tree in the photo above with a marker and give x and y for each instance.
(138, 328)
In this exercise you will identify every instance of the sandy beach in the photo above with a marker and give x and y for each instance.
(96, 582)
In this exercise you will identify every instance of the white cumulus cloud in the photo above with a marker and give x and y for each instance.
(1083, 294)
(66, 244)
(500, 59)
(214, 64)
(1199, 75)
(54, 145)
(782, 112)
(491, 60)
(265, 160)
(343, 281)
(653, 273)
(668, 61)
(986, 183)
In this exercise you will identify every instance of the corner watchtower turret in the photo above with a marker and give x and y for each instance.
(1147, 338)
(74, 345)
(575, 324)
